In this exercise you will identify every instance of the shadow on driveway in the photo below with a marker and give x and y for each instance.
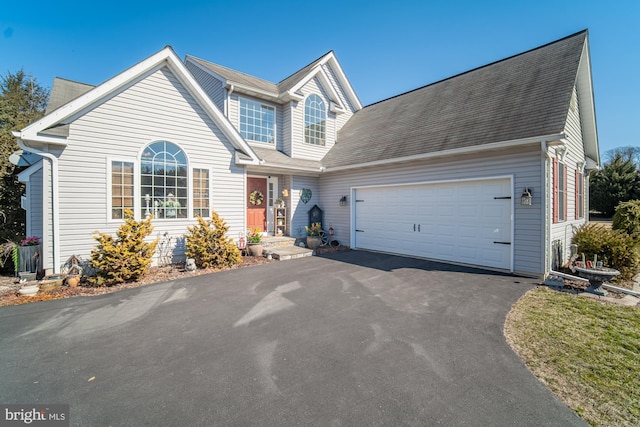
(352, 338)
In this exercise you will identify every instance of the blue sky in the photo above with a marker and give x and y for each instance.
(385, 48)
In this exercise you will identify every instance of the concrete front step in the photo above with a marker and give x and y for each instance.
(275, 241)
(283, 253)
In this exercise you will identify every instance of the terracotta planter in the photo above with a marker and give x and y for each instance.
(314, 242)
(255, 249)
(73, 281)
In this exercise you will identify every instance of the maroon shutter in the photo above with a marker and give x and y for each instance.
(565, 193)
(555, 190)
(577, 194)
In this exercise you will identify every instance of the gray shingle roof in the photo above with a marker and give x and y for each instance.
(277, 158)
(238, 77)
(64, 91)
(527, 95)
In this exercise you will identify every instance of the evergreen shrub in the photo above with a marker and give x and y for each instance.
(627, 217)
(207, 243)
(615, 248)
(126, 257)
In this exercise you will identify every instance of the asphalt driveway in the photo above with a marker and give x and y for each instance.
(352, 339)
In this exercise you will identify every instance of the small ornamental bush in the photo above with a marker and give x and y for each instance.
(627, 217)
(126, 257)
(207, 243)
(615, 248)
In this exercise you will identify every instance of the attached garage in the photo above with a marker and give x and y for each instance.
(469, 222)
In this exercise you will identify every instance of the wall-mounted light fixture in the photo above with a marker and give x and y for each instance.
(343, 201)
(525, 199)
(285, 193)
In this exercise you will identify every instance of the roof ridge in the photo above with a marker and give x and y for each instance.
(302, 68)
(585, 31)
(232, 69)
(74, 81)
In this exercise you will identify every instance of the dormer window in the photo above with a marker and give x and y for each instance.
(315, 119)
(257, 121)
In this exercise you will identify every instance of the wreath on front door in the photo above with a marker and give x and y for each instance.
(256, 197)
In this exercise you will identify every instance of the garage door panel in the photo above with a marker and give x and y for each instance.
(457, 221)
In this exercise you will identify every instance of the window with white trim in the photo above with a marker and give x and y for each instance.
(257, 121)
(579, 195)
(164, 188)
(315, 119)
(201, 192)
(121, 188)
(562, 192)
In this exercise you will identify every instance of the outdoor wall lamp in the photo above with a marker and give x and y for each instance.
(343, 201)
(525, 199)
(285, 193)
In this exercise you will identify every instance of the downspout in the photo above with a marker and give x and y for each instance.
(55, 204)
(547, 221)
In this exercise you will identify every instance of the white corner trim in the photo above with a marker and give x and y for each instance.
(344, 81)
(318, 72)
(55, 203)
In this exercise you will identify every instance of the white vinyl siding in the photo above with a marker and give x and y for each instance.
(301, 149)
(155, 108)
(341, 119)
(212, 86)
(523, 163)
(299, 209)
(563, 231)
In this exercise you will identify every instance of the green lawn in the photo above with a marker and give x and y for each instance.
(586, 352)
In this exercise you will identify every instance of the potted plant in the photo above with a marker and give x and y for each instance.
(279, 203)
(314, 239)
(254, 238)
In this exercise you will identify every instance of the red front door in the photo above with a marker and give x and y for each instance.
(257, 203)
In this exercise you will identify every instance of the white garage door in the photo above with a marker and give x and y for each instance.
(463, 221)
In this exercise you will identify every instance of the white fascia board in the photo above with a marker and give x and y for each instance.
(290, 96)
(456, 151)
(26, 174)
(253, 161)
(344, 81)
(206, 70)
(212, 110)
(250, 90)
(164, 57)
(586, 104)
(43, 139)
(101, 91)
(317, 71)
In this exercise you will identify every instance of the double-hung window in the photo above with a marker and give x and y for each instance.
(559, 191)
(121, 188)
(579, 194)
(257, 121)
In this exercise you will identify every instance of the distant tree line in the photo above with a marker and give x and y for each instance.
(22, 101)
(618, 180)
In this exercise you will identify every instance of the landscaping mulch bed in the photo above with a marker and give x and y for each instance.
(9, 285)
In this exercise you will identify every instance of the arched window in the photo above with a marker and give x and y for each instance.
(163, 181)
(315, 119)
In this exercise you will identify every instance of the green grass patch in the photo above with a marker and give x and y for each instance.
(586, 352)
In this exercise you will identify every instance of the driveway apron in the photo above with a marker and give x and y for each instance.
(355, 338)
